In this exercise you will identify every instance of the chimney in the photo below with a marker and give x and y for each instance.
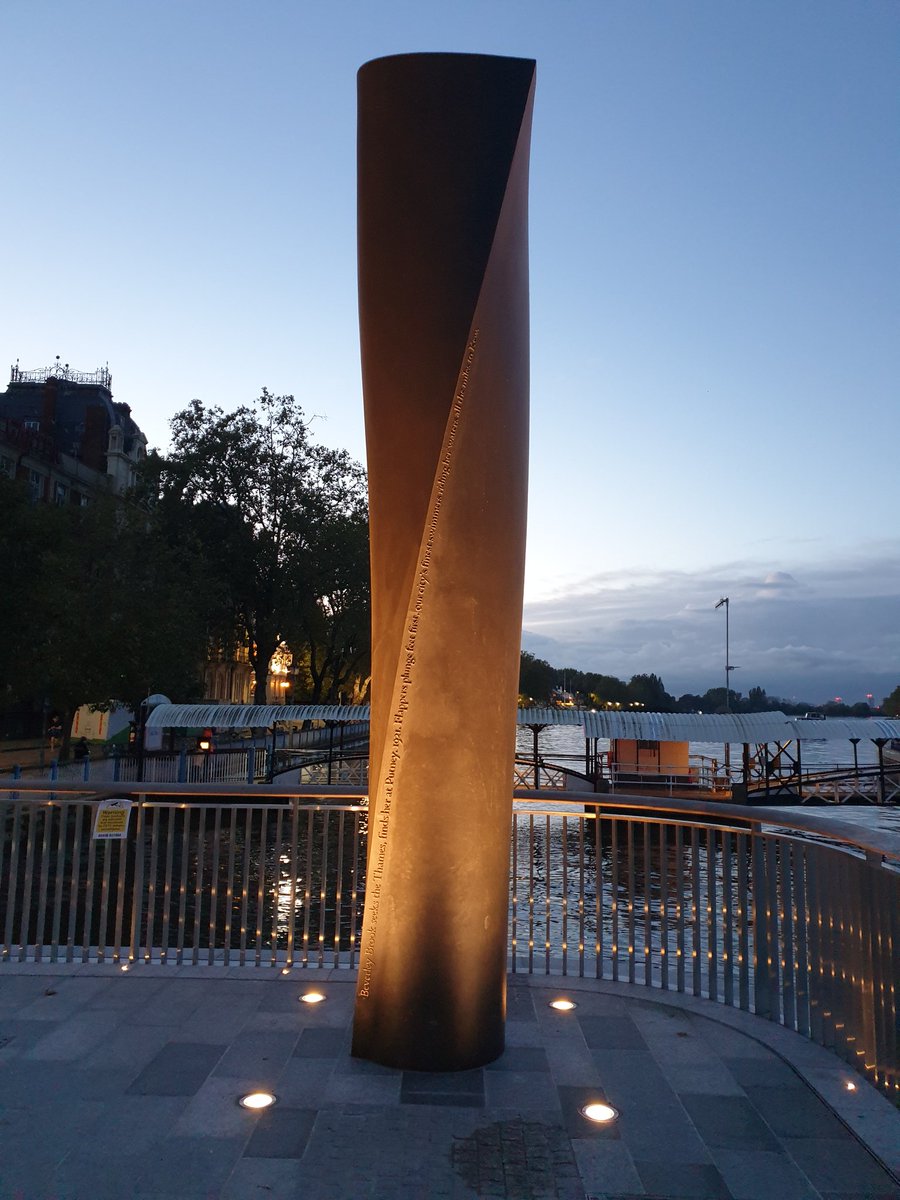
(50, 397)
(94, 442)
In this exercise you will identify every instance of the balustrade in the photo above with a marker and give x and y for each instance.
(742, 910)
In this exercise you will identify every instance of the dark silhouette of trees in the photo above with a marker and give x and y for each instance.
(280, 524)
(649, 692)
(537, 678)
(100, 606)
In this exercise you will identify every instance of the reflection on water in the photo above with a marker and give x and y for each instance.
(264, 883)
(626, 895)
(281, 884)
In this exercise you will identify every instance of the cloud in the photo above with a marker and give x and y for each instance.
(811, 630)
(777, 582)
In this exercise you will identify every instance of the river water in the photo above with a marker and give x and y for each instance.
(619, 894)
(297, 886)
(564, 744)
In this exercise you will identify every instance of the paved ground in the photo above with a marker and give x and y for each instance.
(116, 1085)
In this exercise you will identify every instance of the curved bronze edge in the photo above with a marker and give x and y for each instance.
(443, 174)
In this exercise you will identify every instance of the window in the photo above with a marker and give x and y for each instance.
(36, 485)
(60, 493)
(7, 467)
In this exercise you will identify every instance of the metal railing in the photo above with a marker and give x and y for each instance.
(61, 371)
(742, 910)
(312, 768)
(223, 766)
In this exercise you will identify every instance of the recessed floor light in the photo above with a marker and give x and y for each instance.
(312, 997)
(599, 1112)
(851, 1086)
(257, 1100)
(563, 1005)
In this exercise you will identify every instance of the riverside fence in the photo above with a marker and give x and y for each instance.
(749, 911)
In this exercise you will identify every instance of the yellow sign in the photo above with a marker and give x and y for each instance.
(111, 820)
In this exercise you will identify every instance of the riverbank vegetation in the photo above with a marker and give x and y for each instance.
(541, 684)
(246, 538)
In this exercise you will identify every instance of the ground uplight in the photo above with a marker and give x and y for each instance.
(257, 1100)
(312, 997)
(563, 1005)
(599, 1113)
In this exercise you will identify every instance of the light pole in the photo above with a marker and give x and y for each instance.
(728, 667)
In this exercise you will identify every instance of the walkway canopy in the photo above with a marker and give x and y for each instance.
(249, 716)
(711, 727)
(754, 728)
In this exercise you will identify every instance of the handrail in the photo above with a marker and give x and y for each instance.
(870, 841)
(709, 899)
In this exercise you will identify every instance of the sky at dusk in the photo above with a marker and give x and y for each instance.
(714, 286)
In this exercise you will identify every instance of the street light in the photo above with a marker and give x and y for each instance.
(728, 667)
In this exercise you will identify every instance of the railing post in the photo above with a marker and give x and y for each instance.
(86, 770)
(54, 770)
(17, 772)
(761, 945)
(137, 894)
(251, 764)
(117, 764)
(182, 765)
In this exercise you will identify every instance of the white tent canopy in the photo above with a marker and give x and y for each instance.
(609, 723)
(249, 716)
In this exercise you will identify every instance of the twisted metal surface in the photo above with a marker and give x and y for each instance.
(443, 286)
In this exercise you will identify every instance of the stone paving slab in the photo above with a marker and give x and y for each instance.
(118, 1084)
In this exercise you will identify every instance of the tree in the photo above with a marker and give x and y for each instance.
(891, 704)
(279, 522)
(537, 678)
(757, 700)
(716, 700)
(650, 693)
(607, 689)
(333, 624)
(103, 610)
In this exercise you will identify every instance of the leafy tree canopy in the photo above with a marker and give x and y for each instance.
(103, 608)
(281, 525)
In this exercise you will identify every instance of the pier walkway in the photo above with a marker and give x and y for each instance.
(116, 1084)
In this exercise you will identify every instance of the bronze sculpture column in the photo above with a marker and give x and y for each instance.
(443, 149)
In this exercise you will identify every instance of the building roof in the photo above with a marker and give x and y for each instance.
(249, 716)
(661, 727)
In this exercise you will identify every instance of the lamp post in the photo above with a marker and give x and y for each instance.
(728, 669)
(728, 666)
